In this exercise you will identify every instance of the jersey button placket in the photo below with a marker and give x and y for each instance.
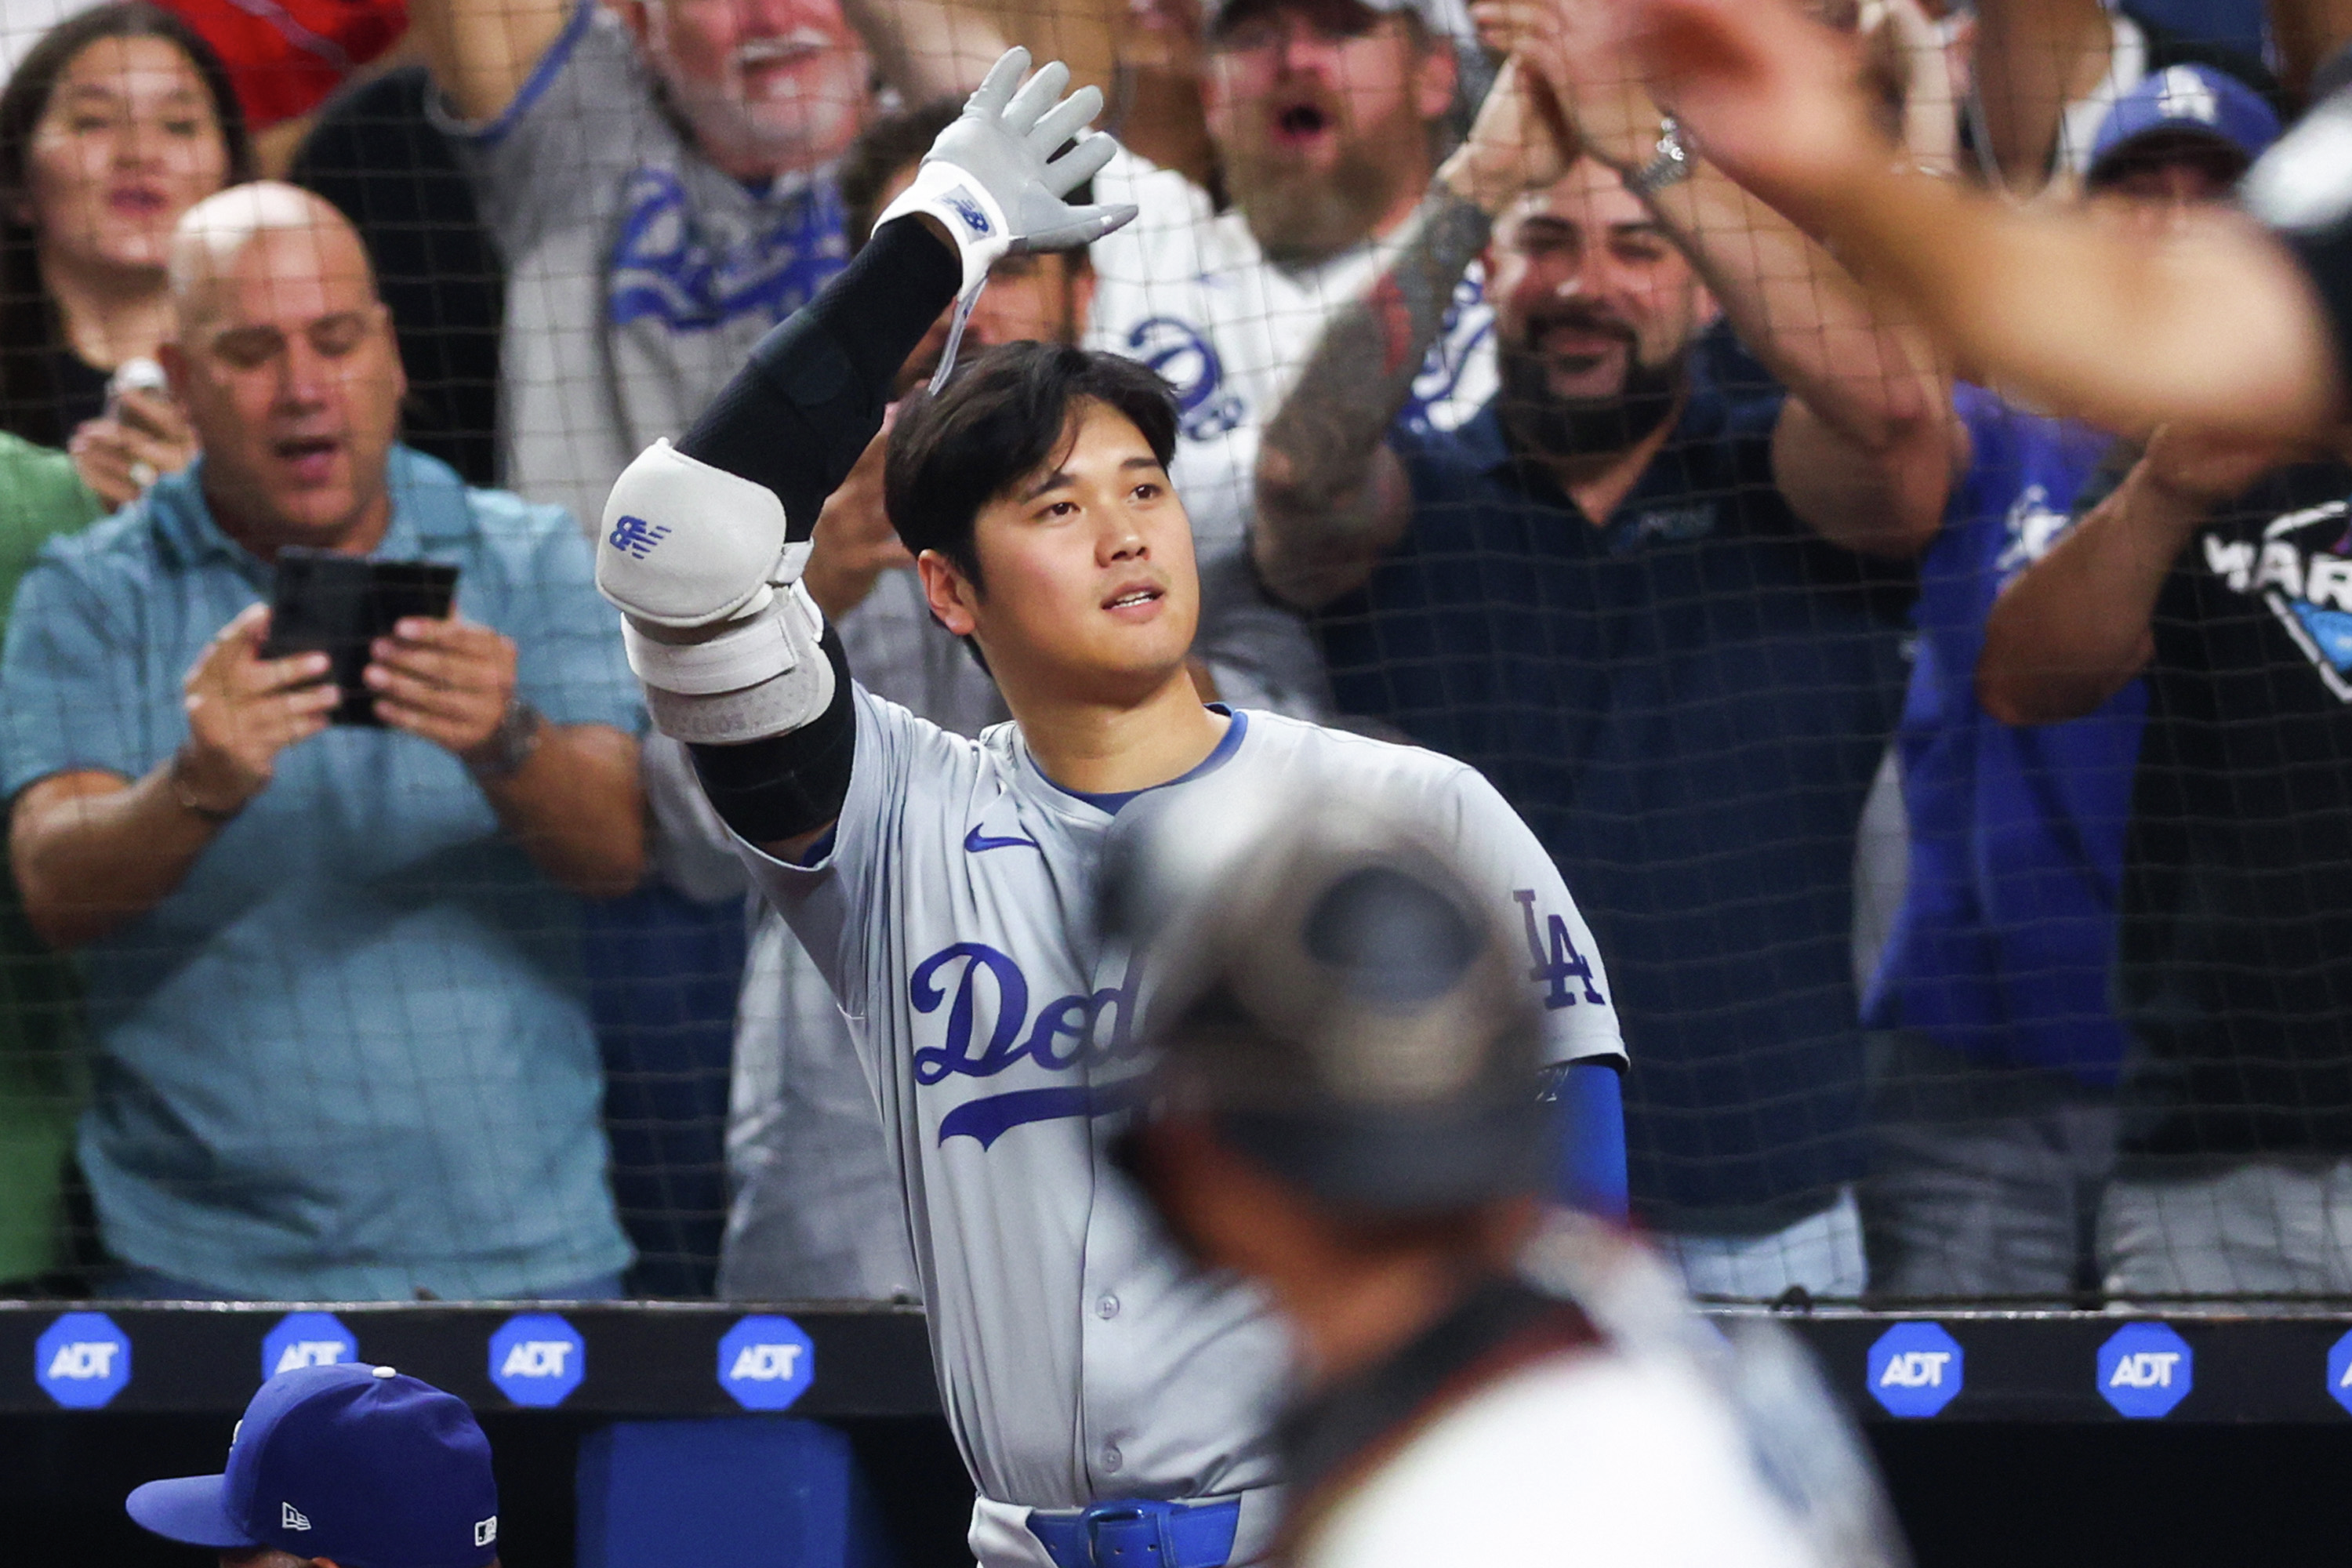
(1106, 1308)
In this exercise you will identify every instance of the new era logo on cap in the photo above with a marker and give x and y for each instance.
(291, 1518)
(485, 1530)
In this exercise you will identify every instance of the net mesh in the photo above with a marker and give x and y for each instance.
(1863, 937)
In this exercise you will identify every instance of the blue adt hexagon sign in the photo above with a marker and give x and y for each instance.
(537, 1358)
(2145, 1369)
(1916, 1369)
(2339, 1372)
(82, 1361)
(765, 1364)
(307, 1339)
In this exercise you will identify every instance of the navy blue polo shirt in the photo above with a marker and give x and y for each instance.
(1686, 704)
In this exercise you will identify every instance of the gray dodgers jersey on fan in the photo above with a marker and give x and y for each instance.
(1079, 1357)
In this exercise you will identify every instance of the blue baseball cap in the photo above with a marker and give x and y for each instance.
(348, 1461)
(2185, 101)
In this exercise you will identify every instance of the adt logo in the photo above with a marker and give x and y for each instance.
(2145, 1369)
(1916, 1369)
(82, 1361)
(636, 536)
(2339, 1372)
(765, 1364)
(307, 1339)
(537, 1358)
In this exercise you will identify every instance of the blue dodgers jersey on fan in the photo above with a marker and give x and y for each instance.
(1687, 705)
(2006, 939)
(1080, 1358)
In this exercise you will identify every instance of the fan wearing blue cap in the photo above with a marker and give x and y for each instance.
(2184, 134)
(350, 1466)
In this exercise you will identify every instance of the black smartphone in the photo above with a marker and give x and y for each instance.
(323, 602)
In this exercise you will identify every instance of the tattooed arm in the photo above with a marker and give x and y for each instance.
(1331, 498)
(1867, 443)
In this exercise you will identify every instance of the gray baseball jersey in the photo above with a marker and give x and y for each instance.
(1080, 1357)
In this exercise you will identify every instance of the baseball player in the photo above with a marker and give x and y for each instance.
(347, 1464)
(1341, 1036)
(1107, 1398)
(2237, 328)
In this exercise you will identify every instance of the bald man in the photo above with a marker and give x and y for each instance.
(330, 933)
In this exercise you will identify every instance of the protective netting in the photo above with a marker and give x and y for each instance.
(1618, 490)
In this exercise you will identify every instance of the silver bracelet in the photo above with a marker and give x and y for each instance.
(509, 747)
(1670, 165)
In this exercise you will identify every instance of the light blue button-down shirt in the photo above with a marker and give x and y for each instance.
(349, 1056)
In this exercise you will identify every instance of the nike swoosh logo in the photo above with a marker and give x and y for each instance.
(976, 842)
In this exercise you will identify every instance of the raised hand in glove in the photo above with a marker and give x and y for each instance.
(991, 179)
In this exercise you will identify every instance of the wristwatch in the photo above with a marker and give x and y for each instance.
(1670, 165)
(509, 746)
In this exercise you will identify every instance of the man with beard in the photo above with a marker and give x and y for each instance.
(1325, 115)
(1659, 613)
(657, 175)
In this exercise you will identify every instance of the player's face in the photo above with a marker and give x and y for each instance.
(1036, 297)
(292, 383)
(127, 143)
(766, 85)
(1320, 111)
(1091, 593)
(1588, 290)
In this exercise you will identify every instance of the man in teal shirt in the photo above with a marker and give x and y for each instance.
(40, 1009)
(343, 1042)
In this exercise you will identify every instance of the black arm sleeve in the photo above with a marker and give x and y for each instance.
(784, 785)
(804, 407)
(795, 418)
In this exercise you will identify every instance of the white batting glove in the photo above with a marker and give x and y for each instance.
(992, 178)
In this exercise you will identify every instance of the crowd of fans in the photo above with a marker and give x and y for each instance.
(1510, 427)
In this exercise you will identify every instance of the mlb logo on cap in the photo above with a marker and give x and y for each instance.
(350, 1462)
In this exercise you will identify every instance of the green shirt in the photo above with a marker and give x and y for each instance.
(40, 1005)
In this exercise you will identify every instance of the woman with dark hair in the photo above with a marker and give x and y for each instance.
(115, 123)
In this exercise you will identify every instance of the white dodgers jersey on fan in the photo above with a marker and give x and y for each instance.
(1080, 1358)
(1185, 290)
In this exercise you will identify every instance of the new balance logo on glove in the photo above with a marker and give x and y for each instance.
(975, 217)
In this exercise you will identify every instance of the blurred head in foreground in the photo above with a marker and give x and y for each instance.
(1343, 1107)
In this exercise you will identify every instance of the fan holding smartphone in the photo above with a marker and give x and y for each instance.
(355, 784)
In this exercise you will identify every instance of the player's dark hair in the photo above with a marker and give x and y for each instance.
(1003, 416)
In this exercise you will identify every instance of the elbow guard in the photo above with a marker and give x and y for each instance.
(715, 621)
